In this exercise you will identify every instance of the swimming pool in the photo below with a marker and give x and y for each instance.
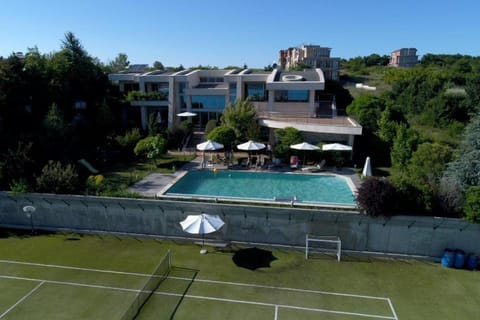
(308, 188)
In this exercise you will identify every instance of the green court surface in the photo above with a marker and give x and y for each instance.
(68, 276)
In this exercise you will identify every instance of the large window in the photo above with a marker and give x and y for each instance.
(291, 95)
(181, 87)
(232, 88)
(256, 91)
(208, 102)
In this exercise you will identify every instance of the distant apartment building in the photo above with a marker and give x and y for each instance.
(282, 99)
(312, 55)
(405, 58)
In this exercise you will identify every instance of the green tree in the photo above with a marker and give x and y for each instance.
(224, 135)
(56, 178)
(366, 109)
(54, 122)
(465, 170)
(128, 141)
(120, 63)
(404, 144)
(157, 65)
(388, 123)
(80, 77)
(153, 127)
(284, 139)
(472, 204)
(425, 170)
(18, 164)
(242, 118)
(472, 89)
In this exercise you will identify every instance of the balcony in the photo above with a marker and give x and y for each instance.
(147, 96)
(303, 122)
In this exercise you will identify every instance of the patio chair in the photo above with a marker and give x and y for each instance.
(317, 168)
(294, 162)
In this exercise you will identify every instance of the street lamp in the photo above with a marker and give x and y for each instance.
(29, 210)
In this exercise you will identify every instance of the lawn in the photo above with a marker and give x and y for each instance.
(119, 176)
(70, 276)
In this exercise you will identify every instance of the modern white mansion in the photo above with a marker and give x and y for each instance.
(282, 99)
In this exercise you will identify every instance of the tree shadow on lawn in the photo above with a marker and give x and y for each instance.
(253, 258)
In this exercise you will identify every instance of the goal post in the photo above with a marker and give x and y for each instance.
(323, 244)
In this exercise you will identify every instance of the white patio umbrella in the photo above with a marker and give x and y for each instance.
(305, 146)
(208, 145)
(186, 114)
(336, 147)
(367, 168)
(251, 145)
(202, 224)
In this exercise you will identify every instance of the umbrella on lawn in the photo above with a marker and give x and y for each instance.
(208, 145)
(202, 224)
(251, 146)
(367, 168)
(253, 258)
(304, 146)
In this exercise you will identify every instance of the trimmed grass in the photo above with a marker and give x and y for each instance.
(417, 289)
(119, 176)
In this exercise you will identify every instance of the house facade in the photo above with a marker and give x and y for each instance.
(282, 99)
(405, 58)
(313, 55)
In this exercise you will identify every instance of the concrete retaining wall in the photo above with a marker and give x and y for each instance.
(412, 235)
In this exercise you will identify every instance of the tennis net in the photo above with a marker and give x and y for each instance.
(151, 285)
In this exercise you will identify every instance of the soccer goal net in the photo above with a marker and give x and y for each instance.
(323, 245)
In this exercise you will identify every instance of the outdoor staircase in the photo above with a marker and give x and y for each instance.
(196, 137)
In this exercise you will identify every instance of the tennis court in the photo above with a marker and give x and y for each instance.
(57, 276)
(63, 292)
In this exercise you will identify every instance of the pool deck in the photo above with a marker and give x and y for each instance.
(152, 184)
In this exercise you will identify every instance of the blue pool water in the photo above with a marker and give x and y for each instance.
(327, 189)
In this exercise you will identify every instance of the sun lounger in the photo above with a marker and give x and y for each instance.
(317, 168)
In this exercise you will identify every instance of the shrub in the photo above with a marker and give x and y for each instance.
(285, 138)
(211, 124)
(95, 184)
(151, 147)
(377, 197)
(56, 178)
(224, 135)
(128, 142)
(19, 186)
(472, 204)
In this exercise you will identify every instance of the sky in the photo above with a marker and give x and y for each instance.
(234, 33)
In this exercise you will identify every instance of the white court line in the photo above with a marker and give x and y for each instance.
(196, 280)
(188, 279)
(275, 317)
(284, 288)
(22, 299)
(279, 305)
(190, 296)
(74, 268)
(76, 284)
(393, 310)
